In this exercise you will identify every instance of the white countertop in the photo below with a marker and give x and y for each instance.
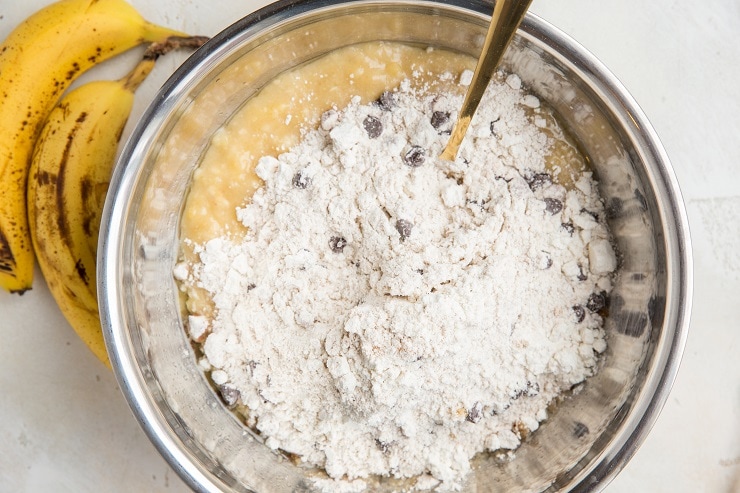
(65, 427)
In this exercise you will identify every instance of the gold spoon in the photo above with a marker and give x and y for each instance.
(507, 15)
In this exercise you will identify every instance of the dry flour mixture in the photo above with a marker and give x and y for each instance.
(388, 313)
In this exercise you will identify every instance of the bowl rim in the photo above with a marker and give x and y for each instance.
(661, 373)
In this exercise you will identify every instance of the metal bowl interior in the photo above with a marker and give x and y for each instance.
(591, 434)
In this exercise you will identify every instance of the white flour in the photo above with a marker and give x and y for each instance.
(389, 313)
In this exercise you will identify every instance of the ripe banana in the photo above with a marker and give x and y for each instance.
(67, 183)
(38, 61)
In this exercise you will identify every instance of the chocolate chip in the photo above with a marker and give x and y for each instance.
(373, 127)
(553, 206)
(404, 228)
(300, 180)
(229, 394)
(582, 276)
(251, 286)
(386, 101)
(384, 447)
(580, 430)
(596, 302)
(539, 180)
(414, 157)
(337, 244)
(439, 118)
(475, 414)
(580, 313)
(568, 227)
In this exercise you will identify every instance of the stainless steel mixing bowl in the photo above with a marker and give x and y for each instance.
(590, 436)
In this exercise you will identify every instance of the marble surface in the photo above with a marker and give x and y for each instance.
(65, 427)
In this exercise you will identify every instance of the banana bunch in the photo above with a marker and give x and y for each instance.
(57, 156)
(68, 179)
(38, 61)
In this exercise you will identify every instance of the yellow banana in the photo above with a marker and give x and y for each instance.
(38, 61)
(68, 179)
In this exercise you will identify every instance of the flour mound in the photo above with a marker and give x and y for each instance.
(389, 313)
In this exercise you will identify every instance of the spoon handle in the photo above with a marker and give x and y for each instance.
(507, 15)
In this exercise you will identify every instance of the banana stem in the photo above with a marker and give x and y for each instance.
(133, 80)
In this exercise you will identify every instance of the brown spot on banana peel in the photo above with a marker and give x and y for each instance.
(119, 133)
(68, 293)
(7, 260)
(72, 73)
(94, 58)
(87, 191)
(81, 271)
(64, 232)
(86, 188)
(44, 178)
